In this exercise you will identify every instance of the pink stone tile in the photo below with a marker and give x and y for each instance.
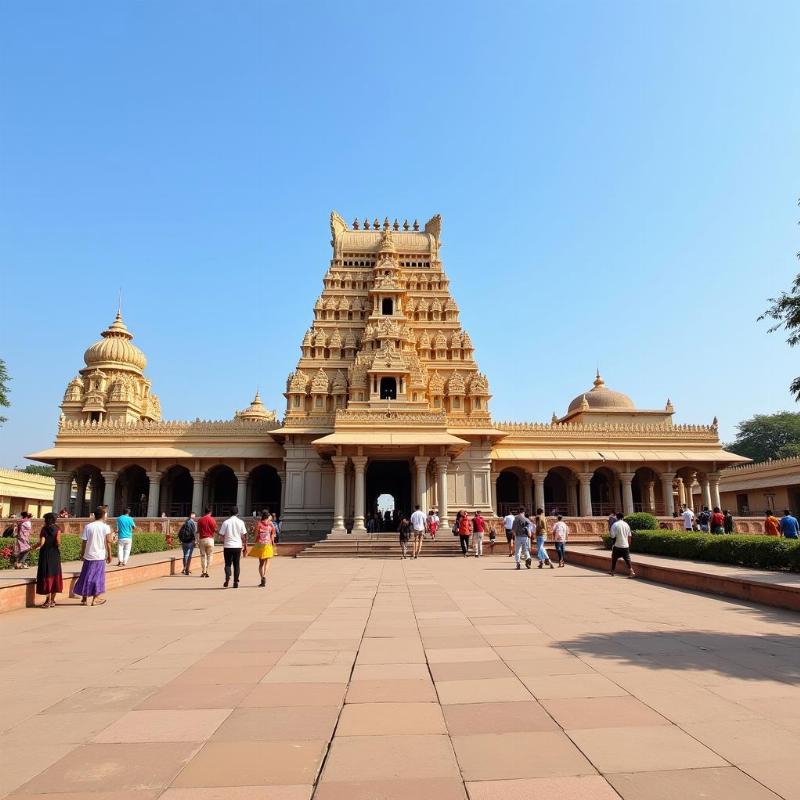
(402, 789)
(373, 719)
(584, 787)
(725, 783)
(164, 726)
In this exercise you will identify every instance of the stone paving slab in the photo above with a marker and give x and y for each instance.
(459, 679)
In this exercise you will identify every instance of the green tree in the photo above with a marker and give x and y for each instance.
(767, 436)
(4, 390)
(38, 469)
(785, 311)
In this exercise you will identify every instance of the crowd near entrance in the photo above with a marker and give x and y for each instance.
(388, 493)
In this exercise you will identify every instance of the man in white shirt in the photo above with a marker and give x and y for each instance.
(95, 554)
(418, 529)
(234, 545)
(508, 526)
(621, 545)
(688, 518)
(560, 533)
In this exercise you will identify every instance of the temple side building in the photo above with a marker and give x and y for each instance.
(386, 398)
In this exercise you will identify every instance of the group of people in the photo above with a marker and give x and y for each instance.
(787, 526)
(521, 530)
(707, 520)
(415, 529)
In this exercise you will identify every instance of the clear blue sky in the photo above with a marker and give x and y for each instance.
(618, 183)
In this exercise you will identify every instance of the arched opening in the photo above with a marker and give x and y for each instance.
(176, 492)
(388, 388)
(221, 486)
(132, 490)
(386, 479)
(264, 490)
(604, 494)
(90, 487)
(387, 306)
(559, 492)
(645, 488)
(509, 492)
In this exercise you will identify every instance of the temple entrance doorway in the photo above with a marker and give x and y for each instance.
(388, 389)
(388, 482)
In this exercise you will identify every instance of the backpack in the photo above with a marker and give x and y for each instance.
(185, 534)
(8, 532)
(704, 517)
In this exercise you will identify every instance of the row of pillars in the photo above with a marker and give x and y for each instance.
(359, 500)
(709, 487)
(63, 487)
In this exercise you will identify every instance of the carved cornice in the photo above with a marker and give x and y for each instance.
(762, 466)
(379, 416)
(163, 427)
(607, 429)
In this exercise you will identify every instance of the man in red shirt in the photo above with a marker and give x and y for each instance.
(717, 521)
(206, 528)
(478, 528)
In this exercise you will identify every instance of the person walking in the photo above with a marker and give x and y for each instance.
(433, 522)
(687, 515)
(404, 531)
(418, 523)
(234, 545)
(621, 545)
(560, 534)
(540, 527)
(187, 536)
(772, 525)
(789, 525)
(264, 547)
(206, 528)
(704, 519)
(22, 540)
(508, 527)
(478, 529)
(522, 538)
(717, 521)
(125, 528)
(276, 521)
(728, 521)
(49, 581)
(95, 554)
(464, 531)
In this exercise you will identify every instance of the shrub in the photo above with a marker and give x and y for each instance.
(763, 552)
(641, 521)
(71, 547)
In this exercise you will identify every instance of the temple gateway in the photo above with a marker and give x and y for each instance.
(386, 398)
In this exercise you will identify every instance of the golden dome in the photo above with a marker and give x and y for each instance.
(256, 410)
(601, 398)
(115, 349)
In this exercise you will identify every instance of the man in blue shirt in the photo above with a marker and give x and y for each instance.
(125, 528)
(789, 525)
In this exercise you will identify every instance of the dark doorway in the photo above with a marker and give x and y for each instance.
(389, 478)
(509, 495)
(387, 307)
(265, 490)
(388, 389)
(221, 490)
(176, 492)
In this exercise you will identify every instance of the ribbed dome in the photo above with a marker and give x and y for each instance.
(115, 349)
(601, 398)
(256, 410)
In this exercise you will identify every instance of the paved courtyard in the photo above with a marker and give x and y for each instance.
(368, 680)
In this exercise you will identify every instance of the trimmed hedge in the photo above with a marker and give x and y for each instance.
(762, 552)
(71, 547)
(641, 521)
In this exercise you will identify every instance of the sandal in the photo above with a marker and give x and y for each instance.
(100, 601)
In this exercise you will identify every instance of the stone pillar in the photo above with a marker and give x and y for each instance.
(572, 502)
(687, 491)
(538, 489)
(61, 490)
(80, 498)
(110, 478)
(339, 464)
(241, 493)
(705, 486)
(627, 492)
(713, 479)
(527, 491)
(197, 492)
(421, 463)
(651, 496)
(666, 490)
(282, 476)
(681, 491)
(441, 475)
(154, 493)
(359, 511)
(585, 479)
(493, 487)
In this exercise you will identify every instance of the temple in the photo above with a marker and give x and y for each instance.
(386, 398)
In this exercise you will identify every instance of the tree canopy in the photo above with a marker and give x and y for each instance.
(785, 311)
(766, 436)
(38, 469)
(4, 390)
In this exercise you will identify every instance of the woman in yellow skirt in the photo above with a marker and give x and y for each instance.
(264, 549)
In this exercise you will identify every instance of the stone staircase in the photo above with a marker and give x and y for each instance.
(386, 545)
